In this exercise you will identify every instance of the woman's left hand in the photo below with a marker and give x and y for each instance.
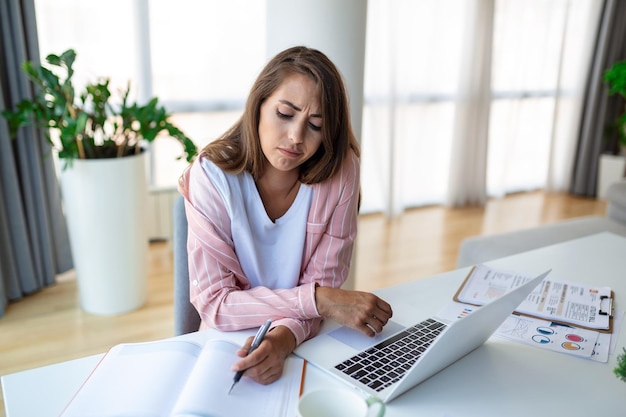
(359, 310)
(265, 364)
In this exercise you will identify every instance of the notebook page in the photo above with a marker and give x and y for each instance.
(206, 391)
(136, 379)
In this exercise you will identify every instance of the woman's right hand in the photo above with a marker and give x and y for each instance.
(356, 309)
(265, 364)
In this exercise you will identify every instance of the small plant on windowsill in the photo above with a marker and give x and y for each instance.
(88, 124)
(620, 369)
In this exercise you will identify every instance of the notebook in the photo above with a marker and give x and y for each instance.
(409, 355)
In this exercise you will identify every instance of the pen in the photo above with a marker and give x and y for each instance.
(255, 344)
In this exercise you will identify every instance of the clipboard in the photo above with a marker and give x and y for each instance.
(606, 308)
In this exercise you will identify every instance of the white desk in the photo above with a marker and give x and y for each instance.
(499, 379)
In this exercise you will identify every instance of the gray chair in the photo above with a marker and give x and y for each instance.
(186, 318)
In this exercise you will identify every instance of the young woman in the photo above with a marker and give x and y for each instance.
(272, 208)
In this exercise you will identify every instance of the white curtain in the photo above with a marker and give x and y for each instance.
(467, 100)
(542, 52)
(413, 55)
(468, 166)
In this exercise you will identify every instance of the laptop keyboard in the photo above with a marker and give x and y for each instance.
(386, 363)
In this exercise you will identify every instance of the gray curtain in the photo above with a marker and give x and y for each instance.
(600, 109)
(34, 244)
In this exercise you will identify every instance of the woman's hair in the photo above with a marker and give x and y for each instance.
(239, 148)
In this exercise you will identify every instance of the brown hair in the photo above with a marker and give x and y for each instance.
(239, 148)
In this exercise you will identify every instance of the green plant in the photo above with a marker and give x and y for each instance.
(615, 78)
(620, 369)
(89, 125)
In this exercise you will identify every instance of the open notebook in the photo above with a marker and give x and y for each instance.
(181, 378)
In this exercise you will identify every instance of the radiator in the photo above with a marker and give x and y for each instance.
(159, 213)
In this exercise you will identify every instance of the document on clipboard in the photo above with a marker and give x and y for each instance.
(565, 302)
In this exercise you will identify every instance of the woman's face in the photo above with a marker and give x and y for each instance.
(290, 125)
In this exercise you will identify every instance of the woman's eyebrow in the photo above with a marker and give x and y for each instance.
(293, 106)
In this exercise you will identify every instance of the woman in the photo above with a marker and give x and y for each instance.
(272, 209)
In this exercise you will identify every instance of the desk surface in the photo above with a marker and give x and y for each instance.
(500, 378)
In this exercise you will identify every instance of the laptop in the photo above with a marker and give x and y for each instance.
(388, 366)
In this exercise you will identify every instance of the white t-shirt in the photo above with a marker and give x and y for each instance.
(270, 253)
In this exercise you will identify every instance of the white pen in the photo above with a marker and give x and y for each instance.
(255, 344)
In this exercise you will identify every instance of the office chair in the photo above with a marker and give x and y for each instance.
(186, 318)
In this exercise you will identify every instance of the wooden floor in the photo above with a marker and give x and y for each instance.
(50, 327)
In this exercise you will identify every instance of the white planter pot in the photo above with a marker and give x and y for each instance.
(105, 206)
(610, 169)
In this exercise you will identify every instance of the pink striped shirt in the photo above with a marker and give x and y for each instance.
(220, 290)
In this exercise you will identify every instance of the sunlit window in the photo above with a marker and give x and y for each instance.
(200, 58)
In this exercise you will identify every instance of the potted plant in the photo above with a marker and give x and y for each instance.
(613, 164)
(99, 137)
(615, 78)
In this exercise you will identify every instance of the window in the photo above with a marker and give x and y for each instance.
(200, 58)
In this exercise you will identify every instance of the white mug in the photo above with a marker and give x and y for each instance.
(337, 403)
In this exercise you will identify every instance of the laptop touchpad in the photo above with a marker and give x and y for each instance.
(357, 340)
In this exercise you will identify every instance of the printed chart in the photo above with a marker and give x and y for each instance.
(551, 336)
(543, 334)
